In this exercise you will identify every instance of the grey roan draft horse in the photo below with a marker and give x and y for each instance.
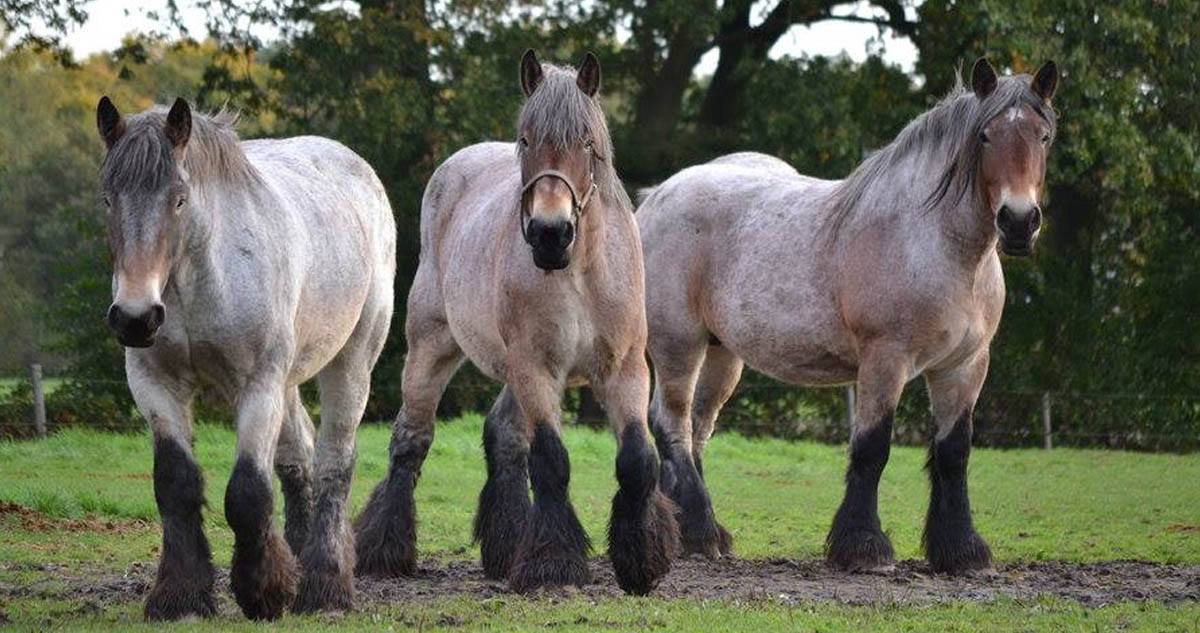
(531, 267)
(886, 275)
(246, 268)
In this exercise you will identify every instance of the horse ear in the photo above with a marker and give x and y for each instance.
(531, 72)
(983, 78)
(1046, 80)
(588, 77)
(109, 122)
(179, 123)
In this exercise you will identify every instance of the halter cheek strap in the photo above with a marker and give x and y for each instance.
(578, 203)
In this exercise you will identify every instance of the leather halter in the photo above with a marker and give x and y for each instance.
(578, 203)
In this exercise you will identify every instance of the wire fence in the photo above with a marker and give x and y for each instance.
(1004, 418)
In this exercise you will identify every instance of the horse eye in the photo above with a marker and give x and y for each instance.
(1045, 139)
(179, 205)
(589, 146)
(106, 201)
(524, 142)
(983, 138)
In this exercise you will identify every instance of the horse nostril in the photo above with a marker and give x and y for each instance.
(567, 235)
(157, 314)
(116, 318)
(1035, 219)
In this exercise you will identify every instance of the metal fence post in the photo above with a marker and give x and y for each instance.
(1046, 429)
(850, 408)
(39, 400)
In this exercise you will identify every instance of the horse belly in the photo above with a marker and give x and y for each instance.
(787, 329)
(796, 361)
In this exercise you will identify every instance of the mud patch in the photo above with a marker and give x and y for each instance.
(780, 580)
(31, 520)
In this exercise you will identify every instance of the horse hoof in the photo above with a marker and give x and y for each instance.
(962, 554)
(726, 541)
(329, 592)
(167, 604)
(711, 541)
(384, 535)
(642, 541)
(265, 587)
(533, 575)
(861, 552)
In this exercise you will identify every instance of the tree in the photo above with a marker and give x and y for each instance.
(41, 24)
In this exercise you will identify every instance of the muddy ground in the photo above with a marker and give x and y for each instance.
(788, 581)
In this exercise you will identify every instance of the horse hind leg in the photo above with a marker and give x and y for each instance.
(643, 533)
(385, 532)
(718, 378)
(328, 557)
(951, 543)
(504, 501)
(183, 585)
(856, 541)
(677, 368)
(293, 465)
(263, 574)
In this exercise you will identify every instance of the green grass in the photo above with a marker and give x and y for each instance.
(776, 497)
(643, 614)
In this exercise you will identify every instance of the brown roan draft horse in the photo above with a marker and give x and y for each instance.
(531, 267)
(890, 274)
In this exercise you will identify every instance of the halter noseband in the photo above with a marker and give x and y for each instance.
(578, 203)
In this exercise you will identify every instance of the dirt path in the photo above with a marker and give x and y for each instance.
(788, 581)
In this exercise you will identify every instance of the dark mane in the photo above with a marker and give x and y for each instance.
(142, 159)
(948, 132)
(562, 114)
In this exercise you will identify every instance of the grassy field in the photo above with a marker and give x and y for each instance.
(776, 498)
(49, 384)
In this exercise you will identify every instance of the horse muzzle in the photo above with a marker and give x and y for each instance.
(1018, 230)
(136, 328)
(550, 243)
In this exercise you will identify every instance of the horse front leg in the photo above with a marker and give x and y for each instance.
(951, 543)
(504, 501)
(386, 531)
(856, 541)
(554, 547)
(183, 586)
(643, 533)
(263, 573)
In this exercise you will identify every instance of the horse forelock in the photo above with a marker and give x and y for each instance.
(560, 113)
(143, 159)
(949, 133)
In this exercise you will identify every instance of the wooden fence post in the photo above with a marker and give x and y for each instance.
(850, 408)
(39, 400)
(1046, 429)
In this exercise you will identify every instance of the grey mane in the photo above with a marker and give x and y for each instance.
(565, 116)
(142, 159)
(948, 133)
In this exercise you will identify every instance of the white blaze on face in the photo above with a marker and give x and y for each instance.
(1015, 114)
(551, 202)
(136, 295)
(1019, 203)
